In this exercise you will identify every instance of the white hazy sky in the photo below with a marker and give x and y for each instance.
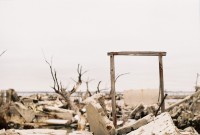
(83, 31)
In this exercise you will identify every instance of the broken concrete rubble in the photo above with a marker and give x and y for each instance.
(135, 124)
(185, 113)
(145, 96)
(56, 122)
(189, 131)
(99, 123)
(161, 125)
(26, 113)
(15, 114)
(138, 109)
(80, 133)
(35, 132)
(49, 111)
(58, 110)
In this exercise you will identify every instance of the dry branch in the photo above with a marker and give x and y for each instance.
(79, 82)
(98, 88)
(3, 53)
(87, 86)
(120, 76)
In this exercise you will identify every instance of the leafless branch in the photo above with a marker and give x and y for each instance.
(87, 86)
(98, 88)
(3, 53)
(120, 76)
(79, 82)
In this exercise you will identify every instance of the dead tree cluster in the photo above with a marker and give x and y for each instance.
(63, 91)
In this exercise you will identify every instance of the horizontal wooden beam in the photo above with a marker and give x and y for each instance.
(138, 53)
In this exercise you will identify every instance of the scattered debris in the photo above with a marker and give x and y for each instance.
(186, 112)
(42, 111)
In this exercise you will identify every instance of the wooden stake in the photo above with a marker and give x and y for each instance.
(161, 89)
(112, 74)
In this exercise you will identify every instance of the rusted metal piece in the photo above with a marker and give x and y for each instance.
(161, 104)
(112, 93)
(138, 53)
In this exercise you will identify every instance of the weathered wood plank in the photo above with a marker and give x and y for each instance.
(112, 74)
(138, 53)
(161, 83)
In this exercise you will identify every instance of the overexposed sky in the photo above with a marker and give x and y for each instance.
(83, 31)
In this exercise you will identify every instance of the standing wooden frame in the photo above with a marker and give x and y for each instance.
(112, 75)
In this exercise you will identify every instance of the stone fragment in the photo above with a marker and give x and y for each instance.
(133, 125)
(64, 115)
(26, 113)
(41, 132)
(189, 131)
(56, 122)
(80, 133)
(161, 125)
(138, 109)
(99, 122)
(145, 96)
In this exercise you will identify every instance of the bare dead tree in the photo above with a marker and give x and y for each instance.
(2, 53)
(79, 82)
(196, 84)
(59, 89)
(88, 93)
(98, 87)
(87, 86)
(118, 76)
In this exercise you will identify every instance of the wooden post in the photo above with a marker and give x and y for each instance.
(112, 93)
(161, 89)
(1, 97)
(112, 74)
(8, 96)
